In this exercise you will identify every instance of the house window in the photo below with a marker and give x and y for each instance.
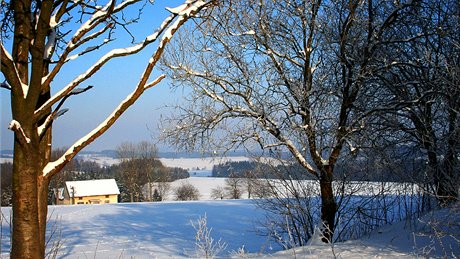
(80, 198)
(107, 196)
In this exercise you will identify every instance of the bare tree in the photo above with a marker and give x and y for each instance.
(234, 186)
(39, 40)
(162, 181)
(158, 183)
(249, 181)
(129, 174)
(284, 76)
(186, 192)
(218, 193)
(148, 153)
(206, 246)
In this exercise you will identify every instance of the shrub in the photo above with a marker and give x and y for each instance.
(186, 192)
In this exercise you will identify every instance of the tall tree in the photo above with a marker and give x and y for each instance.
(39, 39)
(234, 186)
(285, 75)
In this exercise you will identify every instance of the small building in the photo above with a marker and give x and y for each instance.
(89, 192)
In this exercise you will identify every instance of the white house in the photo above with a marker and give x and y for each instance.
(90, 192)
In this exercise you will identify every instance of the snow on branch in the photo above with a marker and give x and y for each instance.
(9, 70)
(167, 28)
(299, 157)
(98, 65)
(50, 45)
(79, 38)
(20, 134)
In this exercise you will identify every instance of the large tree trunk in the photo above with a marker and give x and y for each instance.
(328, 205)
(26, 236)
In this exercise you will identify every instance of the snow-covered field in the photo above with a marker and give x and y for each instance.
(205, 163)
(164, 230)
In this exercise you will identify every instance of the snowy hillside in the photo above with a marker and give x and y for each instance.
(435, 235)
(165, 230)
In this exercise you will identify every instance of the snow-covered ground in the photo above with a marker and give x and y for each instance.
(164, 230)
(152, 230)
(435, 235)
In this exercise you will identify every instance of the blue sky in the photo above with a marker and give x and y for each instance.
(111, 85)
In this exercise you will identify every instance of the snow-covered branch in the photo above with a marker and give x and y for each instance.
(9, 69)
(20, 134)
(167, 29)
(99, 64)
(50, 45)
(87, 50)
(78, 39)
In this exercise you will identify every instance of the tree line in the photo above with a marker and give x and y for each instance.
(139, 177)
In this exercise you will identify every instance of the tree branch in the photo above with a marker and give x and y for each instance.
(121, 52)
(16, 127)
(188, 11)
(8, 68)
